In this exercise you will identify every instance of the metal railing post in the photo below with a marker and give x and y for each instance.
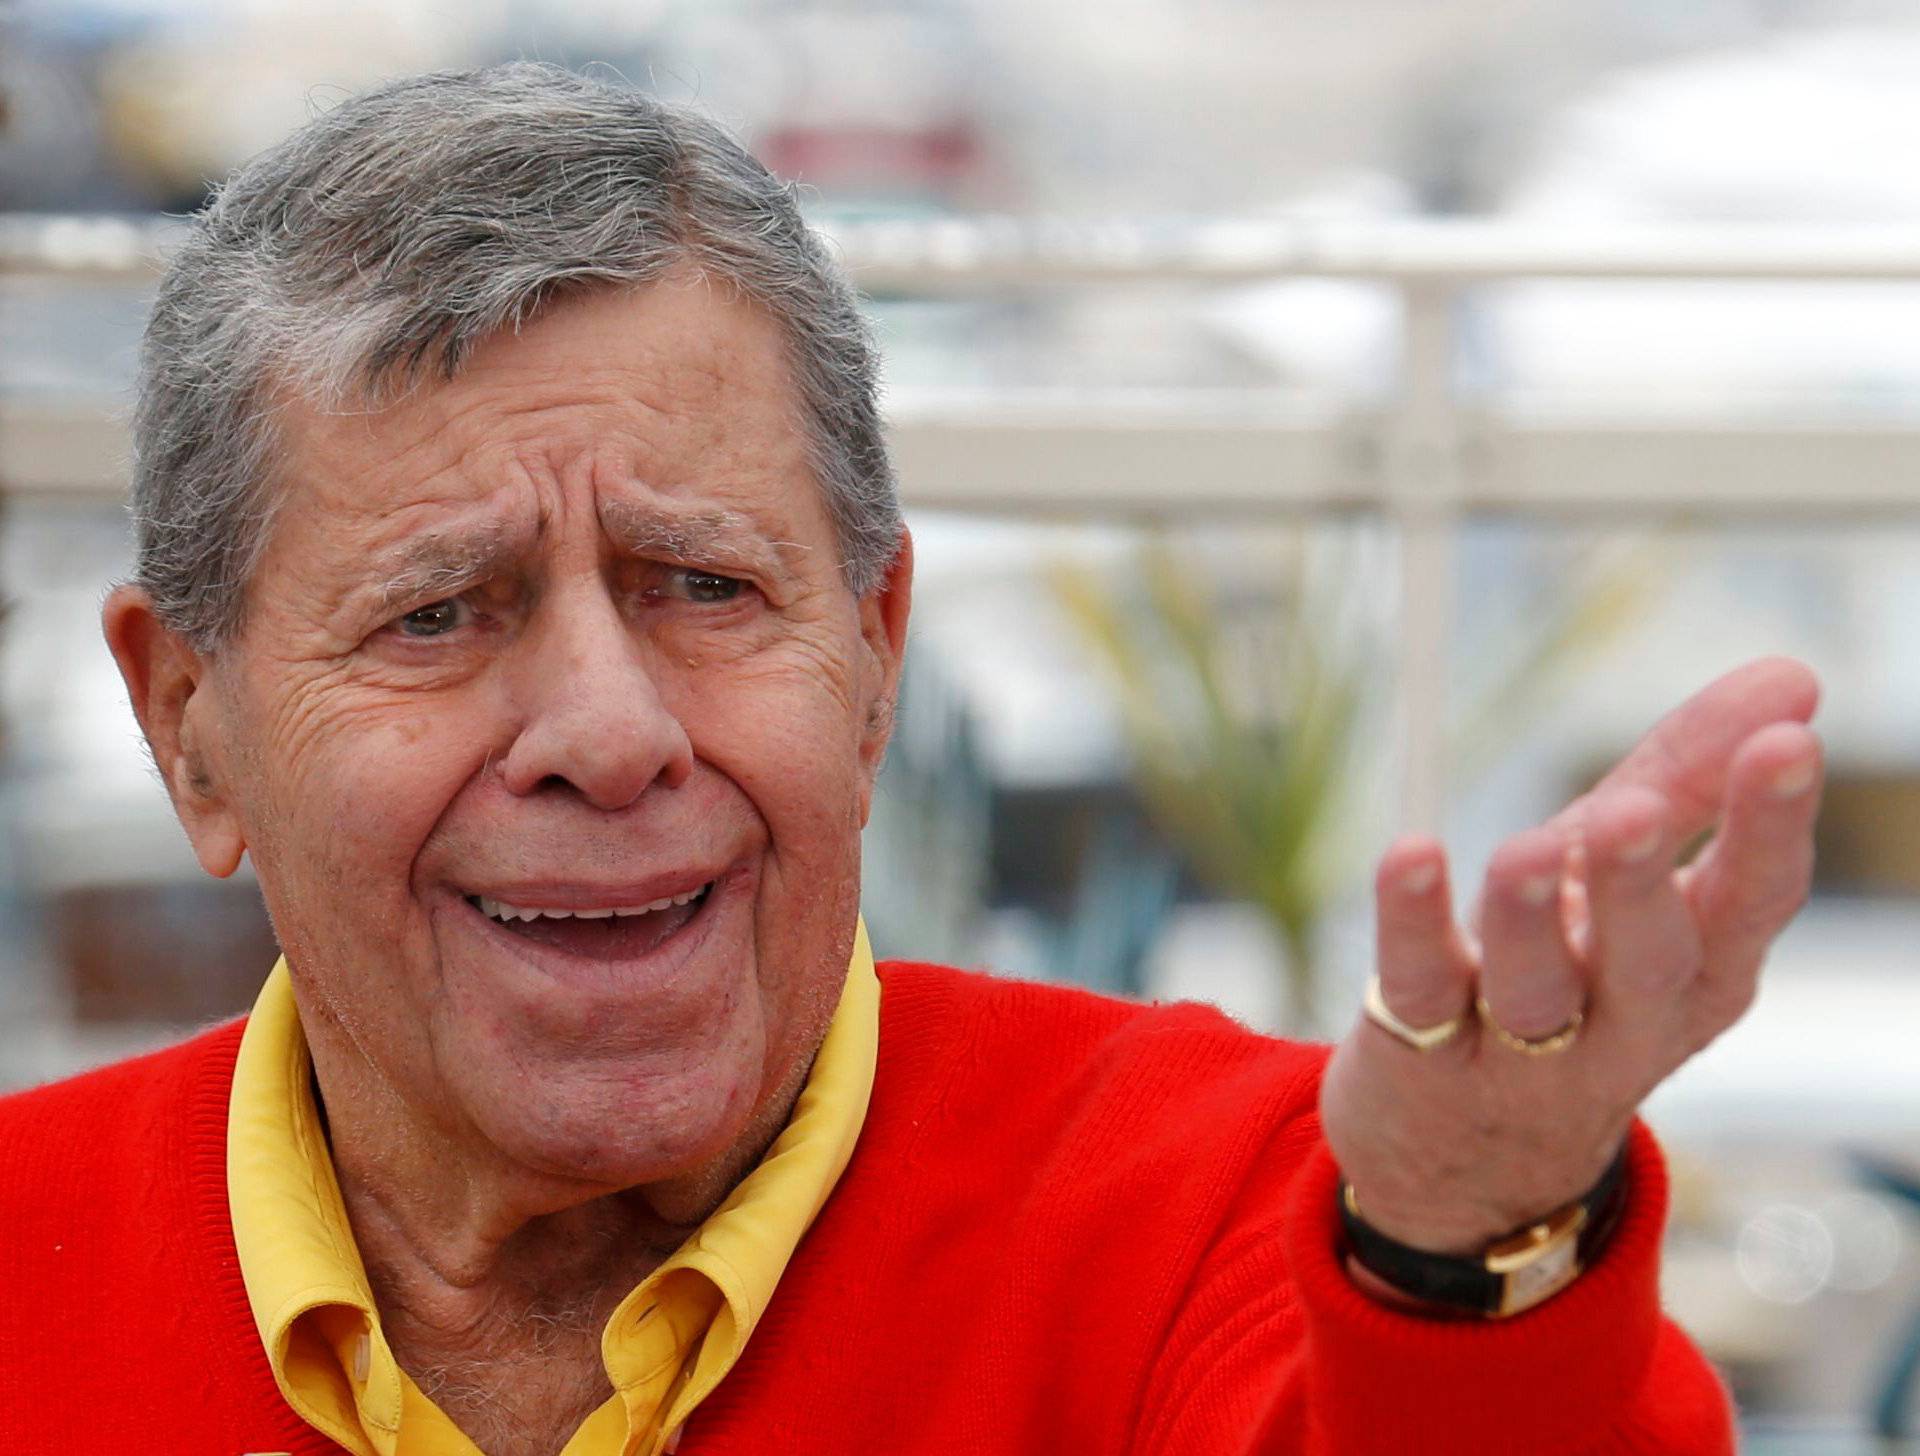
(1423, 488)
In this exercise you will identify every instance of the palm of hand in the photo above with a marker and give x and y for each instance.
(1449, 1149)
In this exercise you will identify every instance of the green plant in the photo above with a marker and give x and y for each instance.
(1249, 698)
(1241, 716)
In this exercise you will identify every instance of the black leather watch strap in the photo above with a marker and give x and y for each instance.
(1499, 1281)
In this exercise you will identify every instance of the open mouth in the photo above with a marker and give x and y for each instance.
(612, 934)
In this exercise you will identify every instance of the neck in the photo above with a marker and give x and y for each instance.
(504, 1336)
(494, 1281)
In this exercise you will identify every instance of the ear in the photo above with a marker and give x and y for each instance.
(883, 631)
(167, 681)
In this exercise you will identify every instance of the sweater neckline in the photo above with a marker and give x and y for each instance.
(917, 1015)
(237, 1357)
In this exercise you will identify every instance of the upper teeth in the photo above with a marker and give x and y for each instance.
(501, 910)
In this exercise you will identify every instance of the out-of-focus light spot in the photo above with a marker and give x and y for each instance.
(1785, 1254)
(1867, 1240)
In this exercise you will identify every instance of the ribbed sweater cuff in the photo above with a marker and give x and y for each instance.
(1553, 1379)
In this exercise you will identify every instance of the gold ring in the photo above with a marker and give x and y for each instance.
(1420, 1038)
(1532, 1046)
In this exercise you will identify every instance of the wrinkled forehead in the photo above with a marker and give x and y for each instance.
(663, 418)
(675, 373)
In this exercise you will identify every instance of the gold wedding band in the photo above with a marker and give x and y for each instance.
(1420, 1038)
(1532, 1046)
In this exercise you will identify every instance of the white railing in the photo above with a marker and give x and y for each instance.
(1424, 458)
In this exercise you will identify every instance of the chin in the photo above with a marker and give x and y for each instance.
(624, 1122)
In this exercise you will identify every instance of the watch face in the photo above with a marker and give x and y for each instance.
(1545, 1277)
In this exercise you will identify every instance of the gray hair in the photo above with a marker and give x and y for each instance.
(383, 240)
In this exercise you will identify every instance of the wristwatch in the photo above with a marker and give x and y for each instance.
(1513, 1273)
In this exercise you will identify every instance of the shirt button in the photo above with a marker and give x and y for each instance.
(362, 1358)
(672, 1442)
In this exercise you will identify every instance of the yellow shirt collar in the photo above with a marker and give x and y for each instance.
(667, 1345)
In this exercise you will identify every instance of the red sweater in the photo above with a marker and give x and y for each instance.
(1072, 1225)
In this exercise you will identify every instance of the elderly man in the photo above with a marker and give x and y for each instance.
(521, 586)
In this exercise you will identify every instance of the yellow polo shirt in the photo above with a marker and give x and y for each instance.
(667, 1345)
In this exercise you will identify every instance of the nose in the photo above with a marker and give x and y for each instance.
(592, 715)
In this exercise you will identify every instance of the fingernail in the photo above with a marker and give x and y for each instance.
(1420, 879)
(1639, 851)
(1540, 889)
(1795, 781)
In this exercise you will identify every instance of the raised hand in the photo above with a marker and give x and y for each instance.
(1586, 918)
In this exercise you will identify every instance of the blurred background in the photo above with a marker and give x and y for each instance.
(1317, 418)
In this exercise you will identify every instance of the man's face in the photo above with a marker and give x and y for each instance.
(567, 634)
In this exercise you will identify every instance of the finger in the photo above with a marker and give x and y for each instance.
(1755, 875)
(1426, 977)
(1686, 757)
(1528, 974)
(1646, 947)
(1576, 909)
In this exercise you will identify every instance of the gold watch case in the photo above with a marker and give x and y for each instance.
(1539, 1261)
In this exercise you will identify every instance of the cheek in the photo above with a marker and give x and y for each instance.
(789, 741)
(365, 784)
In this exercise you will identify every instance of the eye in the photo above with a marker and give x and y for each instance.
(704, 587)
(435, 619)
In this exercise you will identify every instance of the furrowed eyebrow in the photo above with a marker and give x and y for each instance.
(440, 565)
(692, 536)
